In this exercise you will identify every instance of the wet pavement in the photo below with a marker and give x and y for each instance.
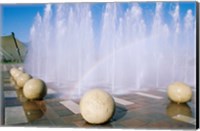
(150, 109)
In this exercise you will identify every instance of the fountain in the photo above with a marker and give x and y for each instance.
(129, 53)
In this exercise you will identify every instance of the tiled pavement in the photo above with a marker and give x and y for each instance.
(144, 110)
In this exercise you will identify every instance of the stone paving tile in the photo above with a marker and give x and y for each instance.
(133, 123)
(59, 108)
(169, 125)
(84, 124)
(149, 95)
(54, 104)
(72, 118)
(51, 96)
(7, 80)
(58, 122)
(117, 125)
(42, 123)
(22, 124)
(51, 91)
(72, 106)
(131, 97)
(14, 115)
(9, 102)
(53, 100)
(134, 107)
(10, 94)
(184, 118)
(8, 86)
(122, 101)
(50, 113)
(64, 112)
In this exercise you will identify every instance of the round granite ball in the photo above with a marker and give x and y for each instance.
(97, 106)
(179, 92)
(34, 89)
(22, 79)
(17, 74)
(21, 68)
(13, 71)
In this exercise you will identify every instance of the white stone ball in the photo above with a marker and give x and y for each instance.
(179, 92)
(97, 106)
(34, 89)
(22, 79)
(17, 74)
(21, 68)
(13, 71)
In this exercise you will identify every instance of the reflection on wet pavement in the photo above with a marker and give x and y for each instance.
(174, 109)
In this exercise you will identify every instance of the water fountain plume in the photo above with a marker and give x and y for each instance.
(131, 54)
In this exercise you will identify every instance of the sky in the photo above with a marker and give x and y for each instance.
(18, 18)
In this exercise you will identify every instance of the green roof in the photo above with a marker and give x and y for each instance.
(9, 51)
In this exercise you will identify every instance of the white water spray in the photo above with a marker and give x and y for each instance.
(130, 55)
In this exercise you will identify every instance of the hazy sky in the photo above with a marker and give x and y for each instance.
(18, 18)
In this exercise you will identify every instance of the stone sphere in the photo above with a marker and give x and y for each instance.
(34, 89)
(21, 68)
(97, 106)
(13, 71)
(179, 92)
(22, 79)
(17, 74)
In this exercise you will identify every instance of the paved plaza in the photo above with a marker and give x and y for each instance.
(149, 109)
